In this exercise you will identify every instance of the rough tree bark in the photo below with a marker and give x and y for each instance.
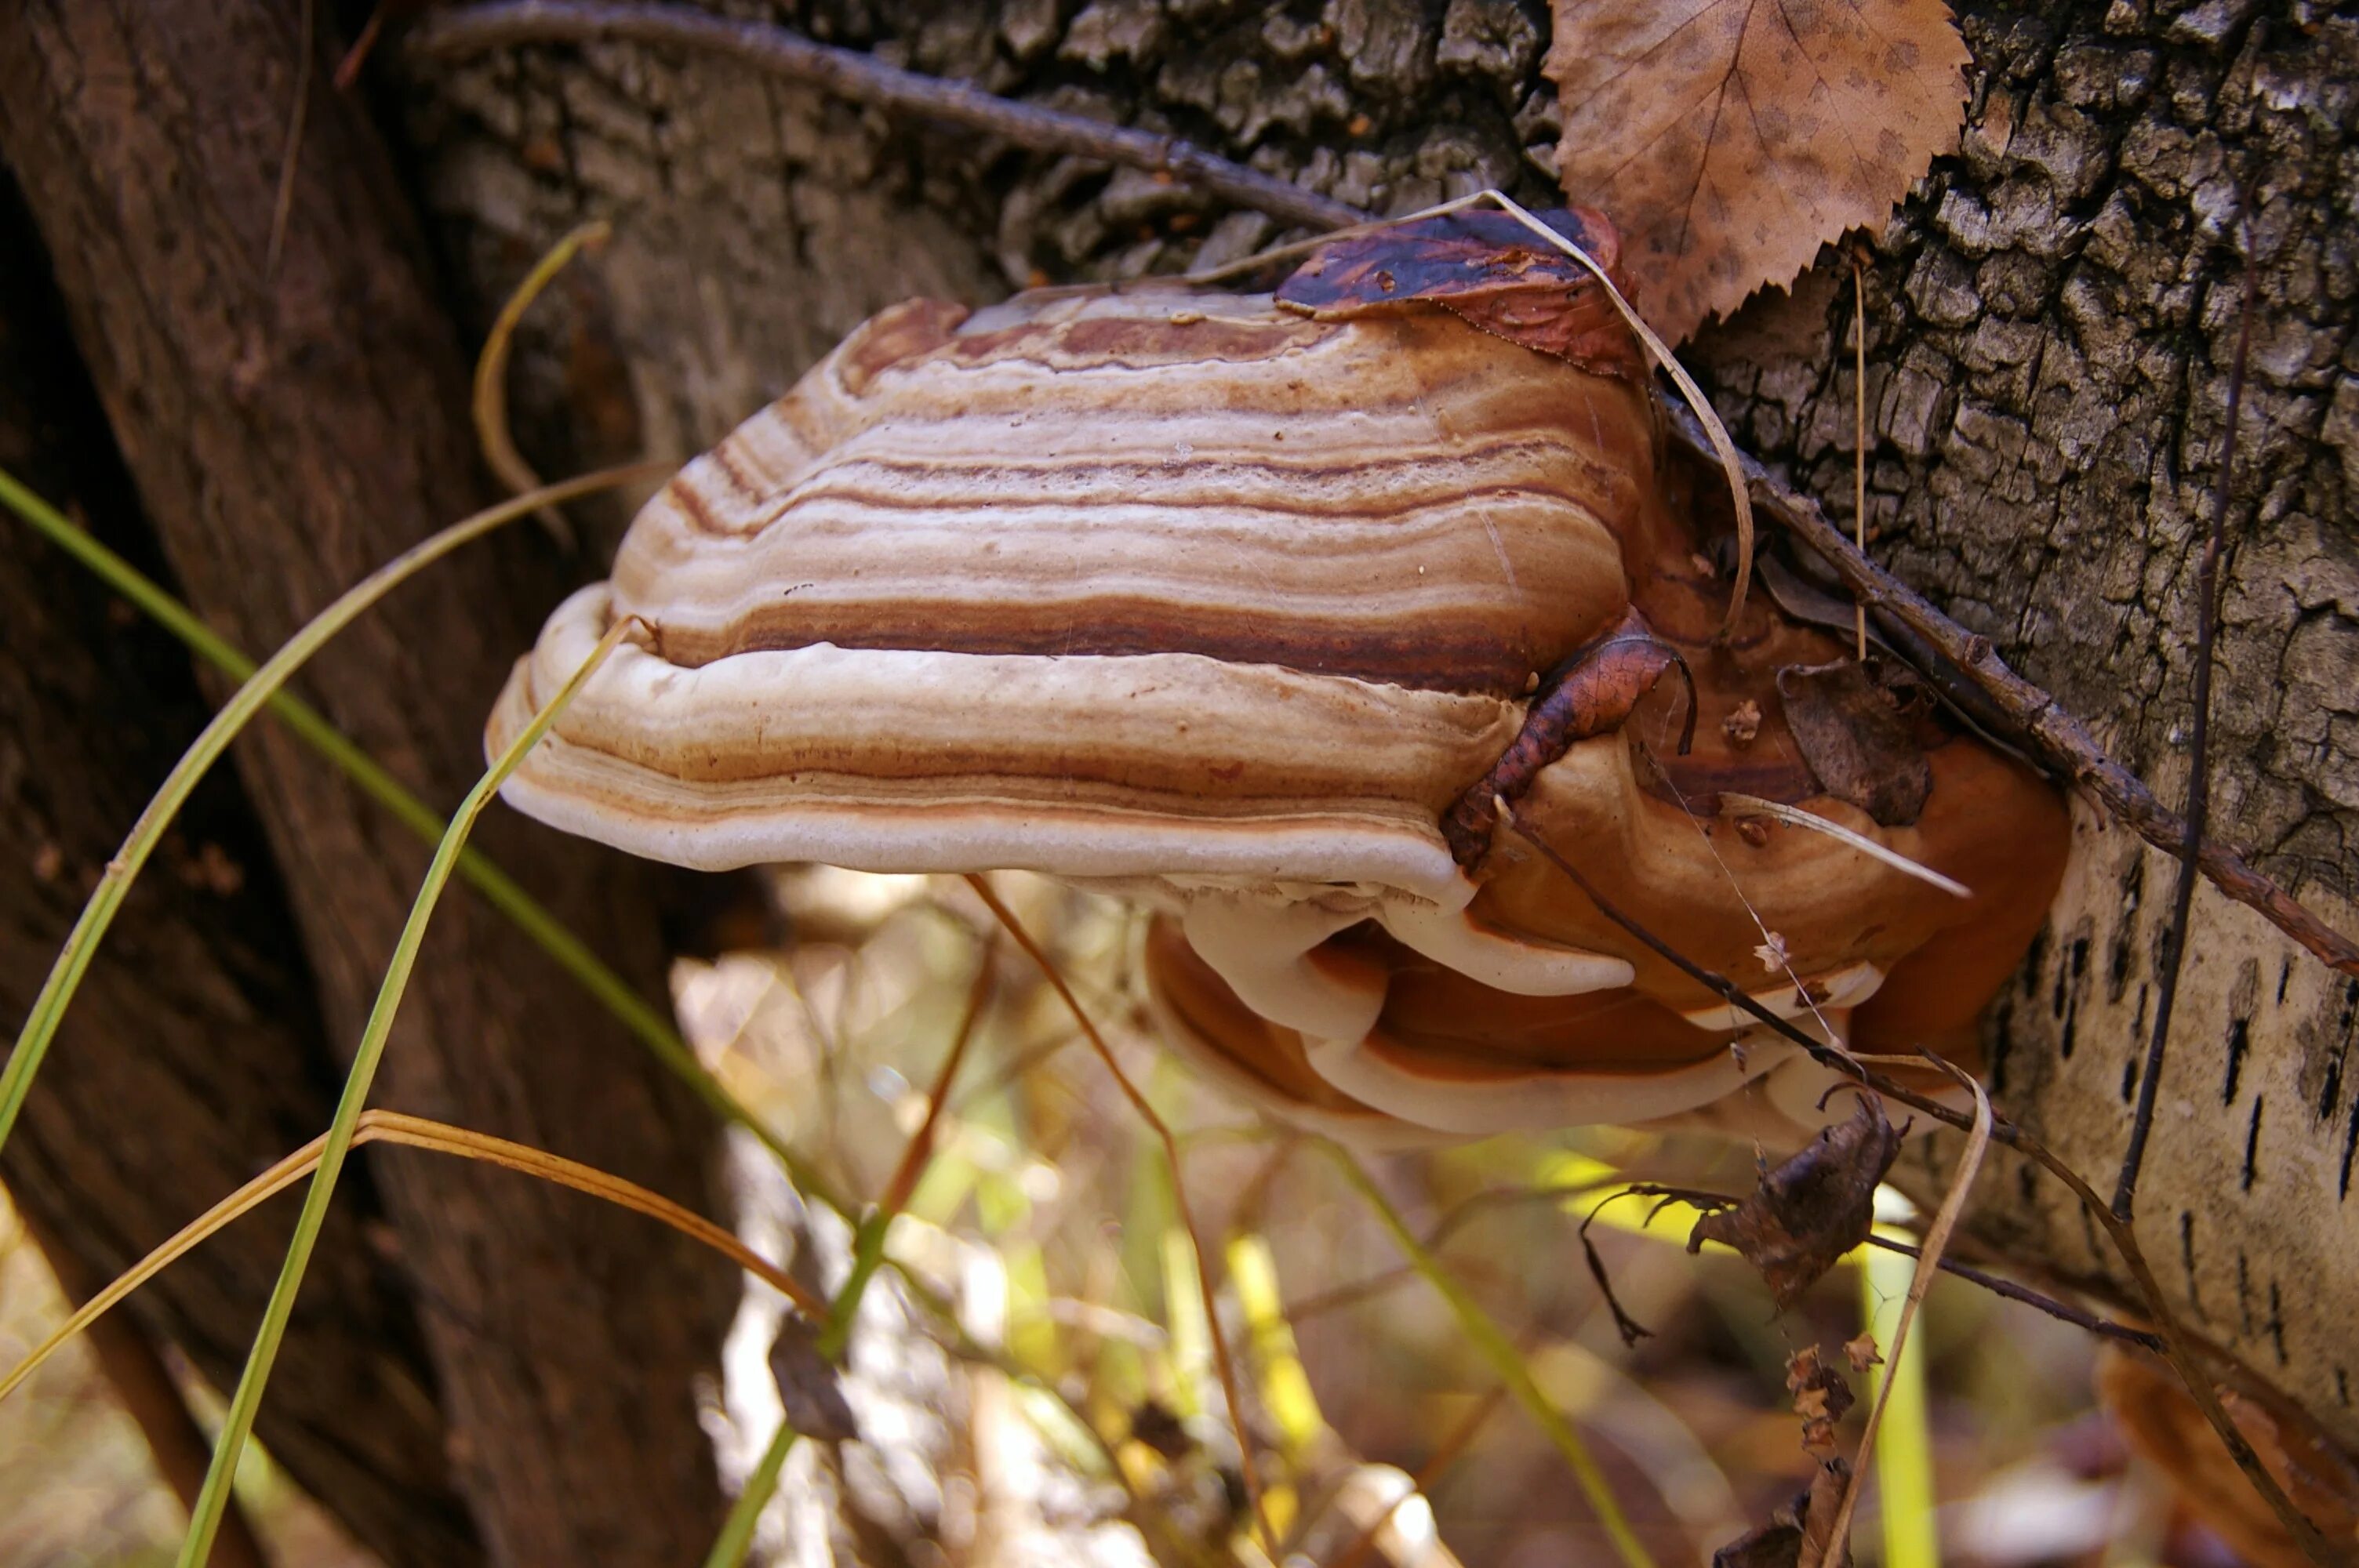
(2051, 321)
(196, 1054)
(287, 432)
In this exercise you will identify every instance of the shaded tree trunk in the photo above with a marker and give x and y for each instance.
(287, 432)
(2051, 321)
(195, 1054)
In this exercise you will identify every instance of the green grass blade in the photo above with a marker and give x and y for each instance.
(736, 1538)
(204, 1516)
(867, 1255)
(1506, 1361)
(650, 1025)
(73, 960)
(1904, 1439)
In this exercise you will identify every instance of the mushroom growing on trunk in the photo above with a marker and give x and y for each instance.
(1258, 609)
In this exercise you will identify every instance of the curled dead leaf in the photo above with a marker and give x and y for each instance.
(1855, 741)
(1592, 691)
(1788, 1539)
(1810, 1210)
(808, 1387)
(1730, 139)
(1489, 269)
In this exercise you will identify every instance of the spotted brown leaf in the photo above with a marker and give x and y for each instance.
(1728, 138)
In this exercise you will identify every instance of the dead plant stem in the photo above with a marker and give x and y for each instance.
(1222, 1361)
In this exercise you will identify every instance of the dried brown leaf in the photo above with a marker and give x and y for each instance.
(1822, 1395)
(1729, 138)
(1809, 1211)
(1862, 1352)
(808, 1387)
(1819, 1513)
(1780, 1543)
(1489, 270)
(1855, 741)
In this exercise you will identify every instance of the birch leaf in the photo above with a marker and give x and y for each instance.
(1728, 139)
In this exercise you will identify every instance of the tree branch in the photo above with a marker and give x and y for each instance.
(862, 78)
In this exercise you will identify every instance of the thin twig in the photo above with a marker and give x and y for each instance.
(868, 1238)
(282, 205)
(1485, 1337)
(2199, 758)
(2104, 1327)
(2061, 740)
(1859, 439)
(1222, 1361)
(863, 79)
(2064, 1311)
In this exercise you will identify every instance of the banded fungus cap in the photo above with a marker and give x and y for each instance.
(1153, 584)
(1228, 601)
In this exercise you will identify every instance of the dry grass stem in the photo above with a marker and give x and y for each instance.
(1223, 1362)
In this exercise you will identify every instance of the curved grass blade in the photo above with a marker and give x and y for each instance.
(73, 960)
(441, 1138)
(238, 1424)
(490, 402)
(653, 1028)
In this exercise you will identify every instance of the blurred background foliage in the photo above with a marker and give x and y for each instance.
(1033, 1379)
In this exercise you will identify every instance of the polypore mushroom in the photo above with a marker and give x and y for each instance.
(1232, 603)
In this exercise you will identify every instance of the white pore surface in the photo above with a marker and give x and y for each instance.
(1456, 940)
(1538, 1101)
(1261, 950)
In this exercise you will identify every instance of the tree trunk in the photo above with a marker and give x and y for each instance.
(195, 1054)
(288, 431)
(2050, 323)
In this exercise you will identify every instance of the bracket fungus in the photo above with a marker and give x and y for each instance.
(1256, 609)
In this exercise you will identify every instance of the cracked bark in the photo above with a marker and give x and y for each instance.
(284, 435)
(2050, 325)
(197, 1025)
